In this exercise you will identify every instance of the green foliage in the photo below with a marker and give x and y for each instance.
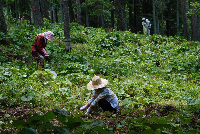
(69, 124)
(110, 40)
(141, 71)
(195, 8)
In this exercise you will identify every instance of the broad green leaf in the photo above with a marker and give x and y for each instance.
(149, 131)
(29, 98)
(159, 120)
(49, 116)
(28, 131)
(94, 124)
(6, 115)
(19, 123)
(193, 102)
(141, 100)
(60, 112)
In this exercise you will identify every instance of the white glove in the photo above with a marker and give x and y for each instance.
(83, 107)
(88, 111)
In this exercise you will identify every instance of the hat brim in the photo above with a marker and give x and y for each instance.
(51, 39)
(104, 82)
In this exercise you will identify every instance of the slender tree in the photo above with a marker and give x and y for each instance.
(44, 6)
(87, 15)
(154, 17)
(78, 12)
(102, 15)
(177, 18)
(194, 20)
(53, 11)
(112, 18)
(8, 9)
(157, 23)
(66, 26)
(120, 14)
(185, 21)
(130, 5)
(61, 12)
(13, 9)
(29, 10)
(3, 26)
(36, 13)
(71, 12)
(137, 16)
(16, 9)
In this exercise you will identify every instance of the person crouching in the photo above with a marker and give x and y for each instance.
(104, 97)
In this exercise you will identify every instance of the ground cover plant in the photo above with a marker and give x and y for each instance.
(156, 79)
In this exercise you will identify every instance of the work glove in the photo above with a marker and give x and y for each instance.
(47, 58)
(84, 107)
(88, 111)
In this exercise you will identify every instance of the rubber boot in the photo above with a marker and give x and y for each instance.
(39, 68)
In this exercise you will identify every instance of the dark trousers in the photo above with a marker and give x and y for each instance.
(40, 59)
(105, 105)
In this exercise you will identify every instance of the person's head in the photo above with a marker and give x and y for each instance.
(48, 35)
(97, 83)
(143, 19)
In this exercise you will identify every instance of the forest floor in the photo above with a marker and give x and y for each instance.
(23, 112)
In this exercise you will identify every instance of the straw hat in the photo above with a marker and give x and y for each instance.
(97, 83)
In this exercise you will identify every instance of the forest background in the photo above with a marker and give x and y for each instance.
(168, 18)
(156, 77)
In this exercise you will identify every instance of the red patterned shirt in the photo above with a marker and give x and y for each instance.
(39, 45)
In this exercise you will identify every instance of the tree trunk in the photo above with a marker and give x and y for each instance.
(87, 16)
(71, 12)
(51, 11)
(112, 18)
(177, 18)
(130, 5)
(54, 14)
(168, 21)
(162, 19)
(56, 11)
(195, 30)
(3, 26)
(154, 17)
(185, 21)
(8, 9)
(61, 11)
(199, 24)
(157, 23)
(36, 13)
(13, 10)
(135, 17)
(78, 12)
(23, 8)
(16, 9)
(137, 21)
(102, 18)
(66, 26)
(119, 8)
(44, 6)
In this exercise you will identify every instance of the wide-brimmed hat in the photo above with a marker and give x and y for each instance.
(48, 35)
(97, 83)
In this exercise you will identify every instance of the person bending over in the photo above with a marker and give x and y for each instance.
(38, 48)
